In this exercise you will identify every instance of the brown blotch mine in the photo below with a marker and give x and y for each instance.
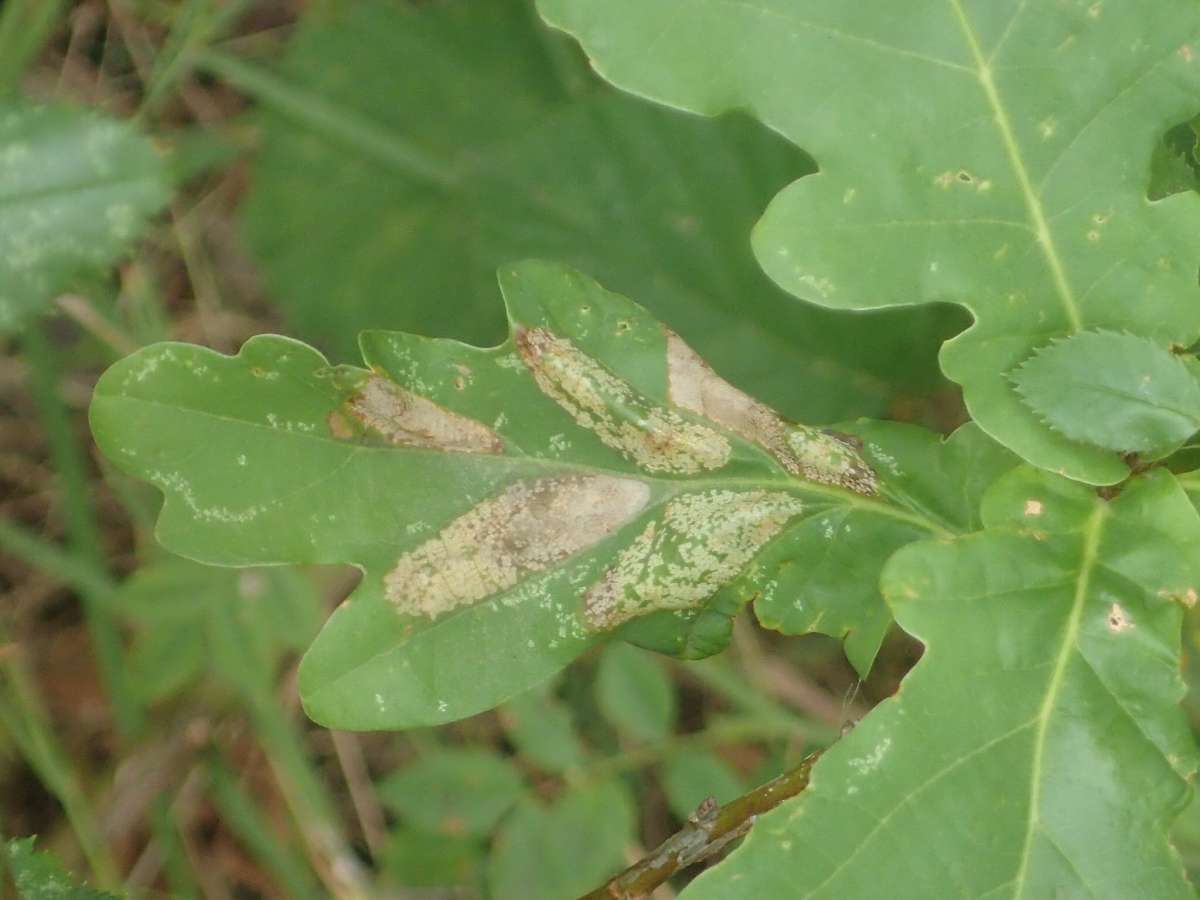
(526, 528)
(655, 437)
(805, 452)
(410, 420)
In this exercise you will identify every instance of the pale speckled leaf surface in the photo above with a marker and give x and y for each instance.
(507, 506)
(1038, 749)
(76, 189)
(994, 153)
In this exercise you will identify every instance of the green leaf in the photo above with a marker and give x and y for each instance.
(1046, 700)
(540, 727)
(634, 693)
(996, 156)
(454, 791)
(420, 859)
(76, 190)
(234, 624)
(1113, 390)
(508, 506)
(417, 189)
(691, 775)
(826, 577)
(41, 876)
(564, 850)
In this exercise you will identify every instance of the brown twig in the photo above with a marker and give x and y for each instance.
(709, 830)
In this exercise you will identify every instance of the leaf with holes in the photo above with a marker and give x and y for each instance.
(1047, 702)
(76, 189)
(414, 191)
(1113, 390)
(507, 506)
(993, 153)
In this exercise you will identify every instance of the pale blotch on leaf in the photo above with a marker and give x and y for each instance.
(1034, 507)
(654, 437)
(804, 452)
(410, 420)
(528, 527)
(1118, 620)
(703, 542)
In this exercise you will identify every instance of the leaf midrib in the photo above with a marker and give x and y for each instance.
(1092, 531)
(920, 518)
(1033, 202)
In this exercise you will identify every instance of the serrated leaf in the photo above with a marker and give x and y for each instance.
(508, 506)
(39, 875)
(454, 791)
(634, 693)
(950, 171)
(1047, 698)
(76, 189)
(507, 147)
(548, 853)
(1113, 390)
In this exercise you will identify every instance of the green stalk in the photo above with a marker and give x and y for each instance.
(305, 793)
(24, 719)
(25, 26)
(241, 814)
(82, 531)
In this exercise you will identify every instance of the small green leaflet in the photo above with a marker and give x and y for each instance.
(1047, 698)
(993, 153)
(76, 189)
(1117, 391)
(507, 506)
(39, 875)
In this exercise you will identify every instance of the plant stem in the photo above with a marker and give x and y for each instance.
(242, 815)
(24, 719)
(707, 832)
(82, 531)
(25, 26)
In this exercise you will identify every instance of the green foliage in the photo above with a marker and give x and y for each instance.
(559, 474)
(588, 476)
(1022, 198)
(197, 620)
(456, 792)
(562, 850)
(1113, 390)
(690, 776)
(540, 727)
(39, 875)
(635, 693)
(1047, 699)
(76, 189)
(417, 189)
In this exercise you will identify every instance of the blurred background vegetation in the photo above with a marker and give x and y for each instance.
(315, 169)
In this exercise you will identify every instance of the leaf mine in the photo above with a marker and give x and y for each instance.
(805, 452)
(655, 438)
(701, 543)
(530, 526)
(409, 420)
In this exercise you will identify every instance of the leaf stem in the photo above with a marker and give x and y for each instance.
(707, 833)
(24, 719)
(82, 531)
